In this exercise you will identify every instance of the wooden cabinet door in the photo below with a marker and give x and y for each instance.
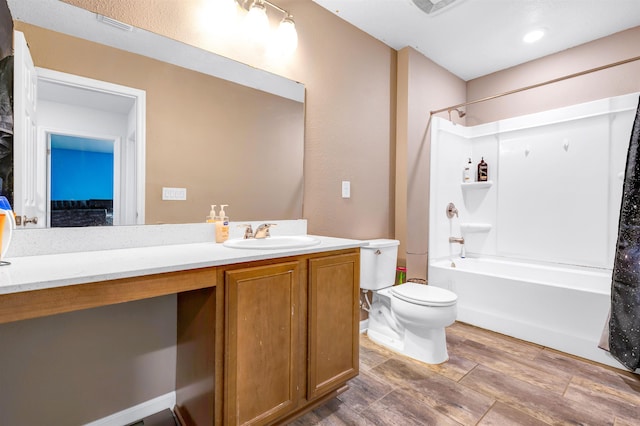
(333, 341)
(262, 305)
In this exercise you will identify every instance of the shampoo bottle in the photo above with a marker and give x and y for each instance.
(483, 171)
(222, 225)
(466, 173)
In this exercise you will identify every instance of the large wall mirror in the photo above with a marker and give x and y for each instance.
(226, 132)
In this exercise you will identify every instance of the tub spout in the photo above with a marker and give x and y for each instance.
(460, 241)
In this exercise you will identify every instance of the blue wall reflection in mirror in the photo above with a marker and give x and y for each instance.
(81, 181)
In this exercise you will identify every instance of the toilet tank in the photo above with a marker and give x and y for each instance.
(378, 264)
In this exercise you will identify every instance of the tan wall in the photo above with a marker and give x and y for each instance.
(71, 369)
(602, 84)
(350, 81)
(423, 86)
(350, 100)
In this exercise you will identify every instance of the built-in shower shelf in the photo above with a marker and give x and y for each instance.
(476, 185)
(475, 227)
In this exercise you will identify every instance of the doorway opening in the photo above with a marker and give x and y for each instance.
(81, 181)
(71, 105)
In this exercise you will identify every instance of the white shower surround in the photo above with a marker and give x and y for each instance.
(540, 238)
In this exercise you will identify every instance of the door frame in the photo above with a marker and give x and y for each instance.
(28, 199)
(139, 133)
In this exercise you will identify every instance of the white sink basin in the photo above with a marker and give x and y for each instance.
(273, 243)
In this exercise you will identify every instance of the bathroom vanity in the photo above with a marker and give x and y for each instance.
(282, 335)
(263, 336)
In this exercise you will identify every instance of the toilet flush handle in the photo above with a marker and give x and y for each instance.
(378, 252)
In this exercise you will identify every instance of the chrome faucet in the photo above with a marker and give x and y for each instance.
(262, 231)
(459, 240)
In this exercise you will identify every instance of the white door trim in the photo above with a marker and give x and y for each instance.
(139, 97)
(28, 197)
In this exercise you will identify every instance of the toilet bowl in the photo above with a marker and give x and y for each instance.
(408, 318)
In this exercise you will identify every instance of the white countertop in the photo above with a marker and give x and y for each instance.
(57, 270)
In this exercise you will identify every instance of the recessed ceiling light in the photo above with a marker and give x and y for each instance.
(533, 36)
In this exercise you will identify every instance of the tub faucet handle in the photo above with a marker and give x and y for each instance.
(452, 210)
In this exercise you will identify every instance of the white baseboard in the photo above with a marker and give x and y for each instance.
(137, 412)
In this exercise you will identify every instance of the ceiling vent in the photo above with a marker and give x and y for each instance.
(432, 6)
(116, 24)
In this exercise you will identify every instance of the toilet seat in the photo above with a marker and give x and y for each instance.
(425, 295)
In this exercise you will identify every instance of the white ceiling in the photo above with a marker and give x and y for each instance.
(78, 96)
(472, 38)
(74, 143)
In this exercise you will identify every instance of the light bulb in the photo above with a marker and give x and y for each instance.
(228, 9)
(257, 23)
(285, 40)
(287, 36)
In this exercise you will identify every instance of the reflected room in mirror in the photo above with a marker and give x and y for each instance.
(237, 142)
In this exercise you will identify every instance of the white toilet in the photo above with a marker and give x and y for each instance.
(408, 318)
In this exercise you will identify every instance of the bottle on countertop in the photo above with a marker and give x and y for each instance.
(483, 171)
(212, 214)
(466, 172)
(222, 225)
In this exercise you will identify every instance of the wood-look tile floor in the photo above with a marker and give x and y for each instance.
(490, 379)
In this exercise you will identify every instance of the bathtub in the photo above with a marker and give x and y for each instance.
(564, 308)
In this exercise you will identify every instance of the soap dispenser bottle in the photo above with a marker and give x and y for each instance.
(212, 214)
(466, 172)
(483, 171)
(222, 225)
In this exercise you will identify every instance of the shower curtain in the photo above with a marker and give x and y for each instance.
(624, 320)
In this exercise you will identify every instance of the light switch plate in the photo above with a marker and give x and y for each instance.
(346, 189)
(174, 194)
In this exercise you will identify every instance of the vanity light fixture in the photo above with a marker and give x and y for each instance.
(285, 40)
